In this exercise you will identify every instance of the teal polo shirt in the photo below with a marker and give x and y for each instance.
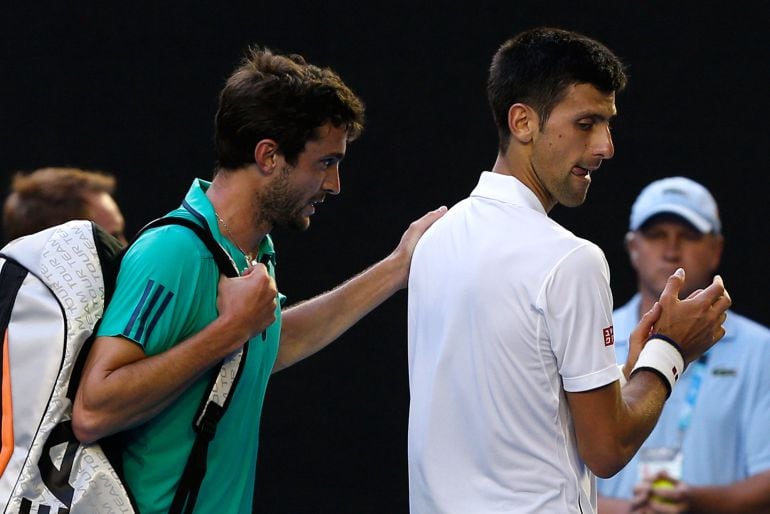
(166, 292)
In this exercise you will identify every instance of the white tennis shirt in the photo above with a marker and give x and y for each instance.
(507, 309)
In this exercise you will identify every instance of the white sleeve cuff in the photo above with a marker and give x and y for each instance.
(623, 379)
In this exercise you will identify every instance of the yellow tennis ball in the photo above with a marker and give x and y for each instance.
(662, 483)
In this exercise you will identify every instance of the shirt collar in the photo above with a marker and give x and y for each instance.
(197, 199)
(507, 189)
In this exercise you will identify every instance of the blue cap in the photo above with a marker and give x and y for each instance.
(681, 197)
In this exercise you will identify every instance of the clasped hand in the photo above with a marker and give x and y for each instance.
(247, 303)
(660, 494)
(694, 323)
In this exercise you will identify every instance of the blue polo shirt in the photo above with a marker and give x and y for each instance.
(166, 292)
(727, 439)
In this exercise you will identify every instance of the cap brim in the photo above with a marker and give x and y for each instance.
(690, 216)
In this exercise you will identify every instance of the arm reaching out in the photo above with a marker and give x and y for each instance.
(311, 325)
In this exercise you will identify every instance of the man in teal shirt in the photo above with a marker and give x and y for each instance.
(281, 131)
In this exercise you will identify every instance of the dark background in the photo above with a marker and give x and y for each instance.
(132, 89)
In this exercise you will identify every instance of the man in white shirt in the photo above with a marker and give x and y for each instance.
(515, 395)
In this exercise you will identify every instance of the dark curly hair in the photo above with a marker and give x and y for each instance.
(280, 97)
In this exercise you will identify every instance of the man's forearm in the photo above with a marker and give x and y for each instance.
(311, 325)
(122, 388)
(750, 495)
(611, 424)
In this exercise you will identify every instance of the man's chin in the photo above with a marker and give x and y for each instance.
(574, 197)
(299, 223)
(574, 201)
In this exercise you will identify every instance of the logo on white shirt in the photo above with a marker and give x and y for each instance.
(609, 336)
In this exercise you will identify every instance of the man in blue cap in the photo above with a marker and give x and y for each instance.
(710, 450)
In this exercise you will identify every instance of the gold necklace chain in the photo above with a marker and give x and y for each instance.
(248, 255)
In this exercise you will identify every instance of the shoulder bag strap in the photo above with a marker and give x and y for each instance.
(215, 402)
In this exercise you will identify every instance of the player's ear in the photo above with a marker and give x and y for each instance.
(265, 155)
(523, 122)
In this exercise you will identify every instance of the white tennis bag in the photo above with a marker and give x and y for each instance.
(52, 294)
(54, 286)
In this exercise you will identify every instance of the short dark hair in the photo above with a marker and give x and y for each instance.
(536, 67)
(49, 196)
(284, 98)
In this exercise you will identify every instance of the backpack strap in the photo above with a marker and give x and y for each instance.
(215, 402)
(221, 257)
(11, 277)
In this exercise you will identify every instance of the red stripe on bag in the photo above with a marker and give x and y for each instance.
(6, 427)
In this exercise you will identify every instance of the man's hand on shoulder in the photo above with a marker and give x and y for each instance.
(403, 252)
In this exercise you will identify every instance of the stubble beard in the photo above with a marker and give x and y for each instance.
(561, 190)
(569, 195)
(280, 205)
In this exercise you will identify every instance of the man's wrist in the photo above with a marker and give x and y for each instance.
(396, 266)
(669, 341)
(663, 357)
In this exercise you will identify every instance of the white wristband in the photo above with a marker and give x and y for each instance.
(662, 357)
